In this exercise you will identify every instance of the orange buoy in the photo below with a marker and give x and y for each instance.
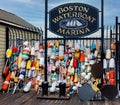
(41, 47)
(33, 64)
(82, 57)
(6, 83)
(111, 74)
(112, 82)
(36, 84)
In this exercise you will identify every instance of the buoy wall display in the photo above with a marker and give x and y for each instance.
(73, 64)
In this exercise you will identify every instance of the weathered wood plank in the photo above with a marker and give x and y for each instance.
(20, 98)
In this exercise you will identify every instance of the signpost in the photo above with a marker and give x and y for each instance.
(74, 19)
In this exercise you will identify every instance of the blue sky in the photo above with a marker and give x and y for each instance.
(33, 10)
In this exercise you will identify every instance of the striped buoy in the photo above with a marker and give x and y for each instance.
(25, 53)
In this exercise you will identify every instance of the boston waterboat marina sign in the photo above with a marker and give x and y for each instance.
(74, 19)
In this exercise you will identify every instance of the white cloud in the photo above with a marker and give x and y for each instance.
(24, 1)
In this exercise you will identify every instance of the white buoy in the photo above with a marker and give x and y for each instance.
(21, 77)
(87, 50)
(71, 62)
(91, 62)
(42, 61)
(87, 77)
(26, 43)
(33, 51)
(27, 87)
(23, 64)
(96, 53)
(104, 64)
(77, 46)
(53, 87)
(61, 47)
(83, 67)
(83, 74)
(108, 54)
(112, 63)
(29, 73)
(37, 45)
(38, 77)
(39, 55)
(49, 51)
(70, 44)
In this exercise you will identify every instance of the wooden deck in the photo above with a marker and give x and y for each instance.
(20, 98)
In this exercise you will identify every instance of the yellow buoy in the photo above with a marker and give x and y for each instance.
(9, 53)
(28, 64)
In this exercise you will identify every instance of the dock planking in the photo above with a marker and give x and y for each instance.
(20, 98)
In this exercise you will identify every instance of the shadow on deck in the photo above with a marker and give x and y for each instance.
(20, 98)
